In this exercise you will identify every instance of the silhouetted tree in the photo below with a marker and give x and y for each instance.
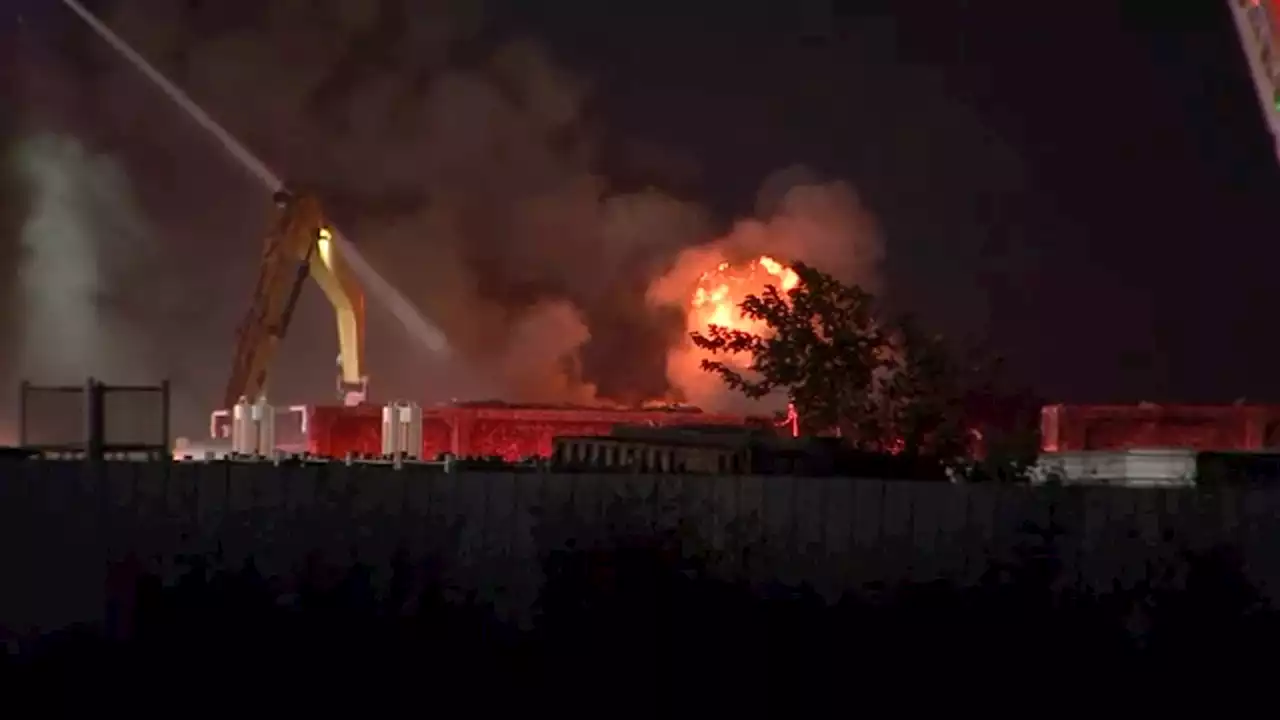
(883, 384)
(925, 388)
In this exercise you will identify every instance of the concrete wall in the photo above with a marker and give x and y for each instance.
(62, 528)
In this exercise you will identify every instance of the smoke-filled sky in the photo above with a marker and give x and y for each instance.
(1080, 183)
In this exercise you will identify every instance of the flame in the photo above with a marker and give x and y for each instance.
(709, 288)
(719, 294)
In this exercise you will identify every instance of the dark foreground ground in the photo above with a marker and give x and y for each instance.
(637, 631)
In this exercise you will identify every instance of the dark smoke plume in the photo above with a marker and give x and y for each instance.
(463, 162)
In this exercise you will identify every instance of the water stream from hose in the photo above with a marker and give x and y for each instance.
(422, 330)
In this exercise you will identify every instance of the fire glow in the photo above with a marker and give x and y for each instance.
(710, 292)
(718, 298)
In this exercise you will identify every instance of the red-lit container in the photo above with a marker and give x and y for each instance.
(512, 432)
(1066, 428)
(335, 431)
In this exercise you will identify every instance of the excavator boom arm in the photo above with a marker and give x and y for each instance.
(343, 292)
(297, 247)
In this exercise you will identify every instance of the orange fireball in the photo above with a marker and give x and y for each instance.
(720, 292)
(710, 290)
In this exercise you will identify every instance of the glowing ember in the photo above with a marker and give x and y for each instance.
(721, 291)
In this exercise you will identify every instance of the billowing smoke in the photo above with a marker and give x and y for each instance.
(82, 244)
(463, 162)
(543, 355)
(81, 233)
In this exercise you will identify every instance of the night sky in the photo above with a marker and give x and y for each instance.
(1088, 183)
(1085, 185)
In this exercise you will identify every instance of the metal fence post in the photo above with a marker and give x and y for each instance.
(165, 439)
(95, 418)
(24, 389)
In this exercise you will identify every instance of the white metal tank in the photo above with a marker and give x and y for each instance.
(402, 430)
(253, 428)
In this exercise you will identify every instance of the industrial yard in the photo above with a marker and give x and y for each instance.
(631, 358)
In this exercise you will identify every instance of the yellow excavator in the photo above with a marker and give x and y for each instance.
(300, 245)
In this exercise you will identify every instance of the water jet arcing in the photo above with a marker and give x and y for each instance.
(421, 329)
